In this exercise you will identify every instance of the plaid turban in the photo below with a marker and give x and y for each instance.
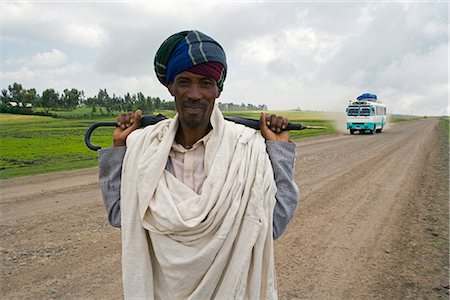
(191, 51)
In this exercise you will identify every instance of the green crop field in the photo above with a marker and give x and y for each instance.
(34, 144)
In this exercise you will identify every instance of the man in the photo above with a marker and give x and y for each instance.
(197, 197)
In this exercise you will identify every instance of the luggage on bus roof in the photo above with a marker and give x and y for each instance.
(368, 96)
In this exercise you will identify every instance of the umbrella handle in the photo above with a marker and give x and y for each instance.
(145, 121)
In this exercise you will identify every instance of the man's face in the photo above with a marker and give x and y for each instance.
(194, 98)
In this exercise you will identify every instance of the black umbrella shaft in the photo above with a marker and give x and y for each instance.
(151, 120)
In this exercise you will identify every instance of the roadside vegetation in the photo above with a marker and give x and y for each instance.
(445, 121)
(403, 118)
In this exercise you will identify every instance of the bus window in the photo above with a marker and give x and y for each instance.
(352, 112)
(365, 111)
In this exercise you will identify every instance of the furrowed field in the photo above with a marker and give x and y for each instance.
(34, 144)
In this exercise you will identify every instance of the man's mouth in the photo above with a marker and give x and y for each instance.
(193, 107)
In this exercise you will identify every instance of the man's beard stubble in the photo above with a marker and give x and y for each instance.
(194, 121)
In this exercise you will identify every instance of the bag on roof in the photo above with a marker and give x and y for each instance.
(367, 96)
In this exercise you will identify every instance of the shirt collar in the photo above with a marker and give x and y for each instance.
(179, 148)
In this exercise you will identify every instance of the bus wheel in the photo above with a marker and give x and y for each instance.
(371, 131)
(379, 130)
(352, 131)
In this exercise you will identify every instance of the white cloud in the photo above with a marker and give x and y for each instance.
(48, 59)
(87, 36)
(434, 28)
(24, 73)
(415, 71)
(62, 22)
(59, 77)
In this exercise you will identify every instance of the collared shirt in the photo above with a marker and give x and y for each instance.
(188, 165)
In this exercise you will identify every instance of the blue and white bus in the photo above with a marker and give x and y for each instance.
(366, 114)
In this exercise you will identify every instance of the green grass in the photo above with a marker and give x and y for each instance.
(35, 144)
(445, 121)
(402, 118)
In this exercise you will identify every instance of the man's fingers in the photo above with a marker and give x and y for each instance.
(279, 123)
(121, 120)
(126, 122)
(276, 123)
(273, 126)
(262, 120)
(284, 124)
(273, 122)
(129, 119)
(137, 119)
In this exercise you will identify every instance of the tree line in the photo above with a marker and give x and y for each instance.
(69, 99)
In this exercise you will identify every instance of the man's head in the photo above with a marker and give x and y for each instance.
(193, 67)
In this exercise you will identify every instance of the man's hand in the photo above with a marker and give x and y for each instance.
(127, 122)
(272, 127)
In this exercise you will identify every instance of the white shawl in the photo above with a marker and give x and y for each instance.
(177, 244)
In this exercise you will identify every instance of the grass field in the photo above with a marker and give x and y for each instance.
(34, 144)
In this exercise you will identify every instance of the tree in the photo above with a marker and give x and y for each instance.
(128, 100)
(103, 99)
(157, 103)
(168, 105)
(71, 98)
(49, 99)
(16, 92)
(31, 96)
(5, 98)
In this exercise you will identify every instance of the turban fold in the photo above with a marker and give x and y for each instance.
(191, 51)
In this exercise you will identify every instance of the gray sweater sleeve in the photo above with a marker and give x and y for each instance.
(110, 173)
(282, 156)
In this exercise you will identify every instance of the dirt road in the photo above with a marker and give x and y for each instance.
(372, 224)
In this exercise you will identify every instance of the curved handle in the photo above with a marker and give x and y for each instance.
(145, 121)
(87, 136)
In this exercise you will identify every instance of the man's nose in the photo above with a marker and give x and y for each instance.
(194, 92)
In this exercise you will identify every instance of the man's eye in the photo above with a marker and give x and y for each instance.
(182, 82)
(207, 82)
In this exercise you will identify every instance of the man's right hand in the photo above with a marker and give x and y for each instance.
(126, 122)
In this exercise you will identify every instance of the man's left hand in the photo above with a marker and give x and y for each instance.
(272, 127)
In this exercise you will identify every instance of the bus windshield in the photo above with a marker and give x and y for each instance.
(365, 111)
(352, 111)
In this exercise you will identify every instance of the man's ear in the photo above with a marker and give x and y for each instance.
(218, 92)
(170, 88)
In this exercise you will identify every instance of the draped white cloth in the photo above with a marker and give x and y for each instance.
(177, 244)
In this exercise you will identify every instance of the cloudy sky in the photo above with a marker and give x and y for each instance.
(285, 54)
